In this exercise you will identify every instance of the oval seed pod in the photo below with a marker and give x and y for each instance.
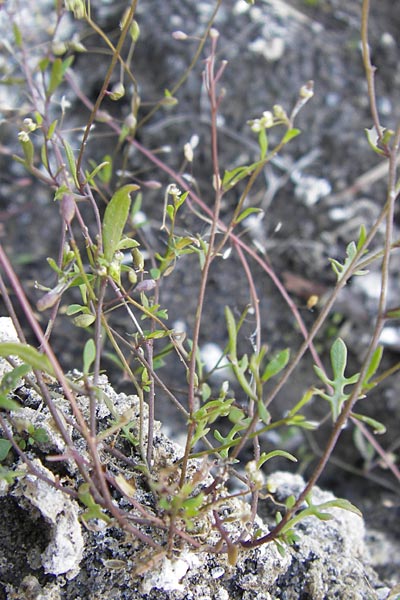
(68, 208)
(132, 276)
(137, 259)
(145, 286)
(134, 31)
(48, 300)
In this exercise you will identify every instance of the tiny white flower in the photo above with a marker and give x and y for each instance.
(255, 125)
(23, 136)
(173, 190)
(267, 119)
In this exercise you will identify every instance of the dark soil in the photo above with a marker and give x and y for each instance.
(318, 41)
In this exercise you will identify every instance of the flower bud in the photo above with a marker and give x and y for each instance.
(23, 137)
(267, 119)
(76, 46)
(307, 90)
(59, 48)
(179, 35)
(255, 474)
(188, 152)
(117, 92)
(255, 125)
(279, 112)
(77, 7)
(130, 122)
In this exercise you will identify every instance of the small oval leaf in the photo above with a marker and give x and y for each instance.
(115, 217)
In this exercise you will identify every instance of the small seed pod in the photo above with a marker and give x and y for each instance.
(48, 300)
(145, 286)
(68, 208)
(134, 31)
(137, 259)
(132, 276)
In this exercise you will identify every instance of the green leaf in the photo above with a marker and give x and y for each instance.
(56, 76)
(105, 174)
(307, 396)
(339, 382)
(17, 35)
(277, 364)
(43, 156)
(191, 505)
(51, 130)
(263, 143)
(351, 251)
(246, 213)
(157, 334)
(232, 333)
(28, 354)
(84, 320)
(290, 501)
(7, 403)
(338, 358)
(267, 456)
(362, 236)
(290, 135)
(71, 161)
(372, 368)
(5, 447)
(58, 70)
(43, 64)
(39, 435)
(74, 309)
(231, 178)
(263, 413)
(89, 355)
(343, 504)
(94, 510)
(90, 176)
(11, 379)
(9, 475)
(377, 426)
(127, 243)
(393, 313)
(364, 447)
(115, 217)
